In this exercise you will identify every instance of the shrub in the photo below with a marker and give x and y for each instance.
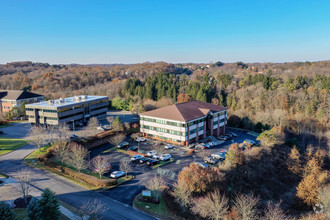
(34, 210)
(50, 208)
(5, 212)
(190, 152)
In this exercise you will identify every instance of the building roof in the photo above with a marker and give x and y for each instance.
(17, 94)
(66, 102)
(186, 111)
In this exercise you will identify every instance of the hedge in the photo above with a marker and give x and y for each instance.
(94, 181)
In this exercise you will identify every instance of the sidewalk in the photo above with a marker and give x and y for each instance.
(9, 192)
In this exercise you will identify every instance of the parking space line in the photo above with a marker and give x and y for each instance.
(178, 162)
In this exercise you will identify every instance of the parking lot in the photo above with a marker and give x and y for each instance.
(126, 192)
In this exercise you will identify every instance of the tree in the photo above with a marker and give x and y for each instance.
(24, 178)
(274, 212)
(274, 136)
(117, 124)
(5, 212)
(93, 123)
(93, 209)
(100, 165)
(212, 206)
(37, 136)
(125, 165)
(117, 139)
(156, 184)
(246, 206)
(34, 210)
(62, 131)
(61, 150)
(324, 198)
(119, 103)
(77, 156)
(182, 194)
(110, 119)
(294, 162)
(183, 98)
(50, 208)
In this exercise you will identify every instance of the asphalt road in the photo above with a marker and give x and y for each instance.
(66, 191)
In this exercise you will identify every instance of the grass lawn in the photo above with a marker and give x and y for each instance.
(21, 214)
(159, 210)
(109, 150)
(9, 144)
(162, 163)
(255, 134)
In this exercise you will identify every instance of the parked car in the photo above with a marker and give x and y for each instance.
(230, 136)
(117, 174)
(248, 141)
(200, 146)
(136, 158)
(74, 137)
(140, 139)
(151, 153)
(123, 144)
(133, 148)
(223, 138)
(219, 156)
(203, 165)
(209, 160)
(192, 146)
(100, 128)
(165, 157)
(233, 134)
(156, 156)
(169, 146)
(152, 162)
(143, 160)
(208, 145)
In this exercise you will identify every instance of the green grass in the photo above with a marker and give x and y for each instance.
(158, 210)
(21, 214)
(9, 144)
(255, 134)
(71, 208)
(5, 125)
(109, 150)
(3, 175)
(162, 163)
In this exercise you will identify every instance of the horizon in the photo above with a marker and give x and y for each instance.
(130, 32)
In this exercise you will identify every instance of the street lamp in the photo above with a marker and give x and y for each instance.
(73, 125)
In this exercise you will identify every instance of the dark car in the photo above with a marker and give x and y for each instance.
(209, 160)
(123, 144)
(152, 162)
(143, 160)
(133, 148)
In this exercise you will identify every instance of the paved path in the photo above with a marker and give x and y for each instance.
(65, 190)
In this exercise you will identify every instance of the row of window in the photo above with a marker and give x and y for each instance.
(29, 109)
(163, 122)
(165, 138)
(216, 122)
(163, 130)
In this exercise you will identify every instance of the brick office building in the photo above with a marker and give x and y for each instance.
(184, 123)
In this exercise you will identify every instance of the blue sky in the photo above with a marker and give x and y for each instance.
(120, 31)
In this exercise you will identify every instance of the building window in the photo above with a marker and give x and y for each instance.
(192, 131)
(31, 116)
(201, 128)
(50, 111)
(29, 109)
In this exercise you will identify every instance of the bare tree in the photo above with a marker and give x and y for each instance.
(62, 131)
(202, 153)
(110, 119)
(324, 197)
(37, 137)
(182, 195)
(77, 156)
(246, 206)
(117, 139)
(125, 165)
(24, 178)
(100, 165)
(93, 209)
(156, 184)
(160, 148)
(61, 150)
(274, 212)
(93, 123)
(212, 206)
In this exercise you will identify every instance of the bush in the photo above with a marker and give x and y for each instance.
(5, 212)
(190, 152)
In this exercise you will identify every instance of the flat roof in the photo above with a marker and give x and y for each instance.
(64, 102)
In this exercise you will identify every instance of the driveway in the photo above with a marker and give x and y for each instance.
(16, 130)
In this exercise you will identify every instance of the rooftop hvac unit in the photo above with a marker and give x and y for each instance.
(85, 96)
(61, 100)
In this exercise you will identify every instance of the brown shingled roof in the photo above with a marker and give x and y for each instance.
(17, 94)
(186, 111)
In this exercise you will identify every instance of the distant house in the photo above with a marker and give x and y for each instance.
(14, 98)
(184, 123)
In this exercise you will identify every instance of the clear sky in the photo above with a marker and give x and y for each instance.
(120, 31)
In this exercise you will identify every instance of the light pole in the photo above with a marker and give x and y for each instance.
(73, 125)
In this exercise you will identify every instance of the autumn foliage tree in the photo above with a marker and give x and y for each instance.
(183, 98)
(274, 136)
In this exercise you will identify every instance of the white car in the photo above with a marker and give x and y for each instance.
(136, 157)
(117, 174)
(169, 146)
(165, 157)
(248, 141)
(151, 153)
(156, 156)
(203, 165)
(140, 139)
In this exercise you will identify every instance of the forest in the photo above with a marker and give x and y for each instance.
(259, 96)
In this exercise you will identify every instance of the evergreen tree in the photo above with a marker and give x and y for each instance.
(49, 206)
(5, 212)
(117, 124)
(34, 210)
